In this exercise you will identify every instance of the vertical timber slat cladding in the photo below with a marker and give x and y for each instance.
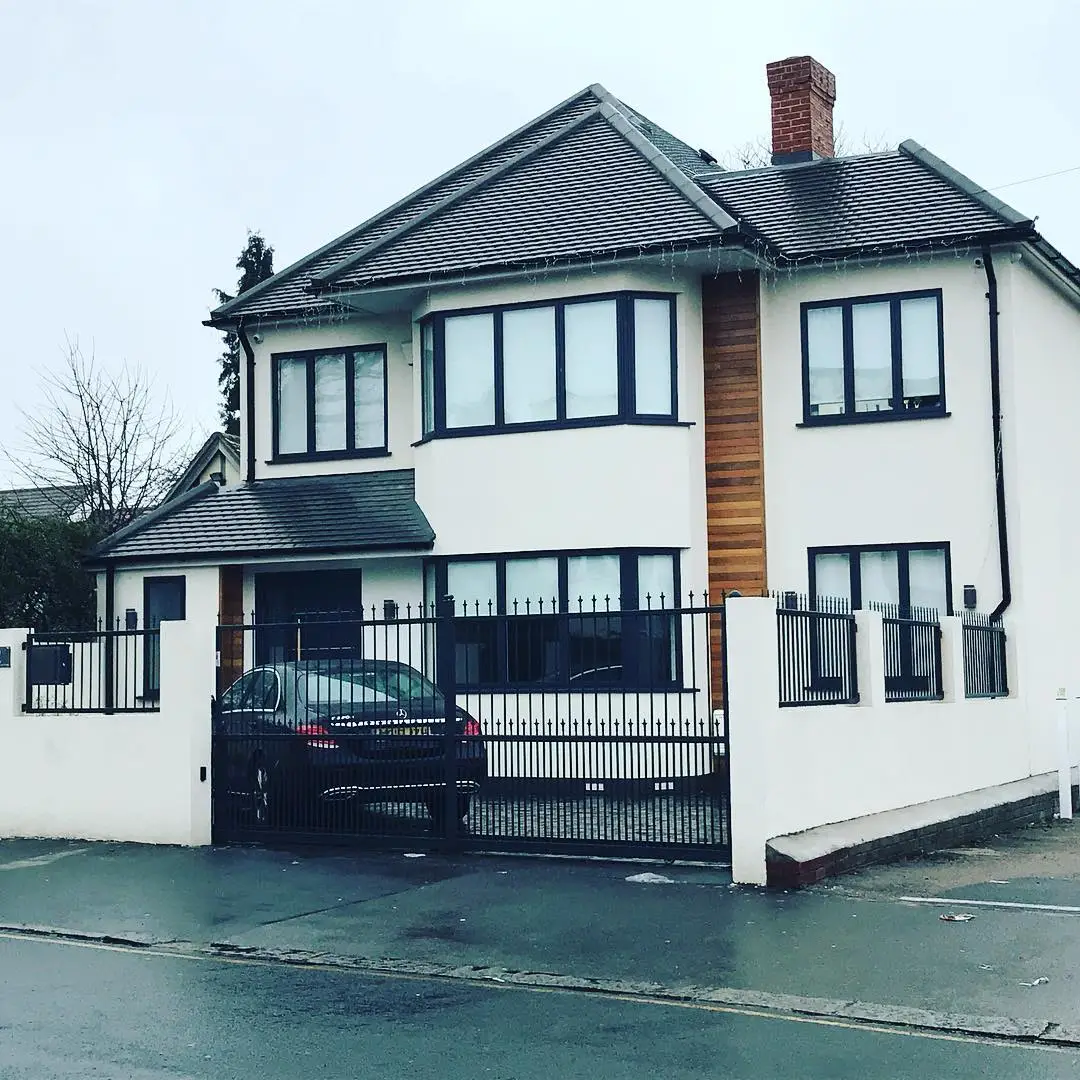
(734, 456)
(230, 613)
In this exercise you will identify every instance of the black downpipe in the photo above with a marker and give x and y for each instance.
(110, 640)
(249, 403)
(999, 457)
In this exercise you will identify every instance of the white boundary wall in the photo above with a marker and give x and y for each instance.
(793, 769)
(125, 776)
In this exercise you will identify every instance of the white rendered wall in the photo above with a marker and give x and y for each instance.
(133, 776)
(793, 769)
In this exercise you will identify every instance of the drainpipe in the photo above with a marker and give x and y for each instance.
(249, 403)
(999, 457)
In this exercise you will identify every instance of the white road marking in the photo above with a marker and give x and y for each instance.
(1065, 909)
(41, 860)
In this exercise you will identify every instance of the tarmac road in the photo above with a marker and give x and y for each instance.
(70, 1011)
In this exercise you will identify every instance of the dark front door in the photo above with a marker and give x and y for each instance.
(307, 614)
(164, 599)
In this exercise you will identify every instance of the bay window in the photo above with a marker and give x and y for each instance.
(552, 621)
(586, 360)
(330, 402)
(873, 358)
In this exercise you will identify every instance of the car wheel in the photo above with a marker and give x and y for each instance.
(263, 801)
(437, 809)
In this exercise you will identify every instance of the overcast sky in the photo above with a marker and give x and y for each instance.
(143, 138)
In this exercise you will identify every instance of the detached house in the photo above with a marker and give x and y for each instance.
(589, 366)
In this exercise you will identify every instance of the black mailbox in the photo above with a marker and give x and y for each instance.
(49, 665)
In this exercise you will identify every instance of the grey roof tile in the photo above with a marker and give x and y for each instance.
(835, 205)
(288, 292)
(340, 513)
(589, 192)
(62, 500)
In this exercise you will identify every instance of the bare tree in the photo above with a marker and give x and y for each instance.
(107, 436)
(757, 153)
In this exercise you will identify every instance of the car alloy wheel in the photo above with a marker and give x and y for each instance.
(260, 793)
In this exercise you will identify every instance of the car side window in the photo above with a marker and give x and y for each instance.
(269, 695)
(234, 697)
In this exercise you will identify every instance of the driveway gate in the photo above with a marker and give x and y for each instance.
(596, 731)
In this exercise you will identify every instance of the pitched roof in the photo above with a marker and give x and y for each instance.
(590, 191)
(292, 291)
(593, 177)
(902, 199)
(220, 442)
(309, 514)
(58, 500)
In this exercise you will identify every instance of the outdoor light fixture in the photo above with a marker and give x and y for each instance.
(971, 601)
(131, 619)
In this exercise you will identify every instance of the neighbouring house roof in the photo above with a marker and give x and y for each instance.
(593, 178)
(58, 500)
(295, 515)
(218, 443)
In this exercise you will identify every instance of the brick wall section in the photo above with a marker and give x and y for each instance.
(803, 93)
(784, 872)
(734, 459)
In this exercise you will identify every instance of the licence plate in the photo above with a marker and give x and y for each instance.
(407, 729)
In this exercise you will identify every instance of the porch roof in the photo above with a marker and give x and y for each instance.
(289, 515)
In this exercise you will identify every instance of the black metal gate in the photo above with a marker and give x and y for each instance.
(596, 731)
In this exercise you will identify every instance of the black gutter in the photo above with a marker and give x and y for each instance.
(995, 417)
(249, 410)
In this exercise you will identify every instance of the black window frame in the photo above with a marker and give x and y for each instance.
(849, 415)
(902, 569)
(152, 641)
(627, 383)
(567, 611)
(309, 356)
(906, 680)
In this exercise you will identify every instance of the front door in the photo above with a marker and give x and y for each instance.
(307, 614)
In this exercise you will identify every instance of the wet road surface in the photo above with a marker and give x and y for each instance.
(71, 1012)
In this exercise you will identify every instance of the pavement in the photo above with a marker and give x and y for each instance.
(869, 948)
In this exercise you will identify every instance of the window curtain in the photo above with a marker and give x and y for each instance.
(592, 359)
(292, 406)
(529, 365)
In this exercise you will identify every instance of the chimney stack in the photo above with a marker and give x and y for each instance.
(803, 92)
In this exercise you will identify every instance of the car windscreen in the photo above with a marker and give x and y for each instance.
(397, 681)
(326, 695)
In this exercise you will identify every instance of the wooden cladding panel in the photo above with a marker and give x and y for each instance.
(734, 457)
(230, 644)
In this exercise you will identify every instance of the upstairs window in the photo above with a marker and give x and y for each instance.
(567, 363)
(873, 358)
(330, 403)
(897, 578)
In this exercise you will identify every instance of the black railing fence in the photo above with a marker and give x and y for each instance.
(817, 655)
(93, 671)
(589, 729)
(912, 642)
(985, 666)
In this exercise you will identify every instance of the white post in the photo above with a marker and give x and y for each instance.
(753, 684)
(952, 659)
(1064, 762)
(870, 657)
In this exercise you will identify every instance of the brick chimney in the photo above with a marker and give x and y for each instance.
(803, 92)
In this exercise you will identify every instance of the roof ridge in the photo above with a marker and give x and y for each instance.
(910, 148)
(686, 187)
(223, 311)
(327, 276)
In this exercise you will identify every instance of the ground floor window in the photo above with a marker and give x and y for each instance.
(560, 620)
(898, 578)
(307, 614)
(909, 584)
(164, 600)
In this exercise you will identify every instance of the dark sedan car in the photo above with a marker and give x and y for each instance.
(298, 735)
